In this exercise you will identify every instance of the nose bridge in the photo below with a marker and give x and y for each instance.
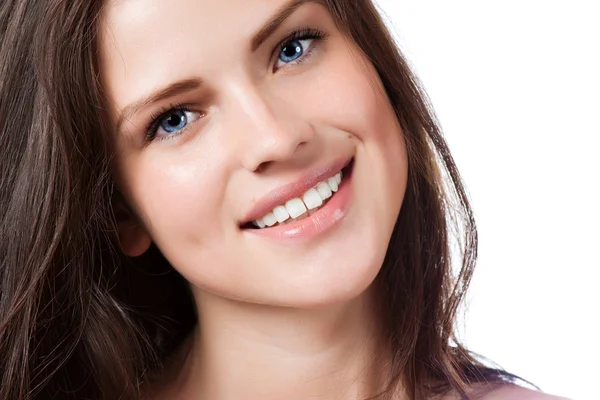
(267, 130)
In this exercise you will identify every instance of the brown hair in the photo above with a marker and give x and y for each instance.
(79, 320)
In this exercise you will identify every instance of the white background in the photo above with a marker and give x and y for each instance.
(517, 90)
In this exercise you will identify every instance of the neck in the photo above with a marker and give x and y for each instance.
(243, 350)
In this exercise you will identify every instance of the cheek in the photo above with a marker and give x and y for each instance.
(347, 94)
(356, 103)
(176, 194)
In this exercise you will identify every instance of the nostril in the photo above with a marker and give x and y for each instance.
(262, 166)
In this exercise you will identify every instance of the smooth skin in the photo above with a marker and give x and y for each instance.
(277, 320)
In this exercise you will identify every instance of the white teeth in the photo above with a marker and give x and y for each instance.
(333, 184)
(281, 213)
(269, 219)
(295, 207)
(324, 190)
(312, 199)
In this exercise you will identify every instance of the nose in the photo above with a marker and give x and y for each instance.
(269, 130)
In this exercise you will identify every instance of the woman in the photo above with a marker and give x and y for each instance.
(226, 200)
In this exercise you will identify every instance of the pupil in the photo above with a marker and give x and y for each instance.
(292, 50)
(174, 120)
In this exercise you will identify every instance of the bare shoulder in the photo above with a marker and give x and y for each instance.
(516, 392)
(502, 392)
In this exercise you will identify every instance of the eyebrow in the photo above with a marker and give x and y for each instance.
(173, 89)
(274, 22)
(188, 85)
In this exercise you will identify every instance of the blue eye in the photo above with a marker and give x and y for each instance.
(174, 121)
(171, 123)
(298, 46)
(293, 50)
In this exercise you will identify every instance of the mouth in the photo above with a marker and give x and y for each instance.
(295, 211)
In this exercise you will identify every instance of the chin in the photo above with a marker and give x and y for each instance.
(328, 278)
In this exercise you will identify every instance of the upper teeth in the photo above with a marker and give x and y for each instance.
(311, 199)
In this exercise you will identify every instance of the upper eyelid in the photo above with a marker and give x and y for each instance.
(154, 124)
(298, 31)
(157, 116)
(297, 34)
(152, 136)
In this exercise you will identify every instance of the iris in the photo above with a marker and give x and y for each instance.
(174, 121)
(292, 51)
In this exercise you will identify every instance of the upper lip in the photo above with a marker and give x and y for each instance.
(282, 194)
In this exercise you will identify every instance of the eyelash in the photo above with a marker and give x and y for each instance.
(297, 34)
(301, 34)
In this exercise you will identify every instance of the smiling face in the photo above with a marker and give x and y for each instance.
(227, 109)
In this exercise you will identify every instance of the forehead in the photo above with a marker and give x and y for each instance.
(145, 21)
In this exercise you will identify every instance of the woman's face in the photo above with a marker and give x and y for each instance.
(227, 109)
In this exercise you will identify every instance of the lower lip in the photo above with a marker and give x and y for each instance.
(323, 220)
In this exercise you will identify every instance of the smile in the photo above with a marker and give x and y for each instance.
(317, 210)
(301, 207)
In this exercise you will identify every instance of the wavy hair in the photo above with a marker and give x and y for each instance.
(80, 320)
